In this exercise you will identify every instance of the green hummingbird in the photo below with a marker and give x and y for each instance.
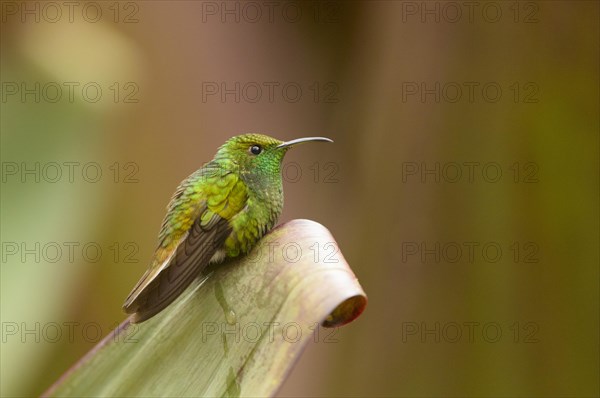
(218, 212)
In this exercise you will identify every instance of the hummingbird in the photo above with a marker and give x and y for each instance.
(220, 211)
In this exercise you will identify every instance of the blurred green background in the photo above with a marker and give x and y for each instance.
(412, 93)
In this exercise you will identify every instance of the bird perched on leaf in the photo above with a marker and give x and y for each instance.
(219, 211)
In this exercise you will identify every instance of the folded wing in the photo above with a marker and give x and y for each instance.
(162, 284)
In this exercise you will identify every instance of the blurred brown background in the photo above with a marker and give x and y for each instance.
(479, 284)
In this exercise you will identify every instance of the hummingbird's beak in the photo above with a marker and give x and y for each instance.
(301, 140)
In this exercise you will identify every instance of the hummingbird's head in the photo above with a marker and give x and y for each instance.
(257, 155)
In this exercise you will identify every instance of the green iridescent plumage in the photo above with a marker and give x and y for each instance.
(219, 211)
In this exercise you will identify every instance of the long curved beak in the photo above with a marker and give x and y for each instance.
(301, 140)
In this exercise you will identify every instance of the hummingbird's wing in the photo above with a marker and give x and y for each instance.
(161, 285)
(173, 269)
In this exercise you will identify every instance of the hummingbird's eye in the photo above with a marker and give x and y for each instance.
(255, 149)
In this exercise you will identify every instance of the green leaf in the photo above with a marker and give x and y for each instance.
(236, 331)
